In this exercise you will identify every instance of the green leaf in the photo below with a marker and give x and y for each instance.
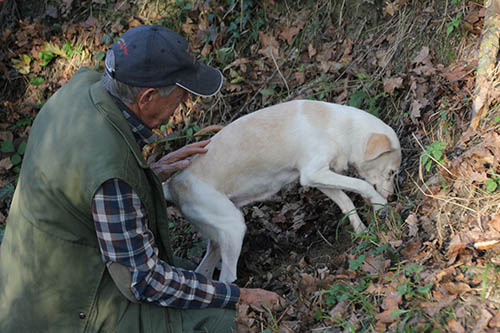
(402, 289)
(16, 159)
(355, 263)
(7, 147)
(46, 57)
(107, 39)
(425, 289)
(428, 166)
(356, 99)
(267, 92)
(189, 132)
(100, 55)
(398, 312)
(21, 148)
(37, 81)
(6, 190)
(491, 185)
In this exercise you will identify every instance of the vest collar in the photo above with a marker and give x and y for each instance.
(105, 104)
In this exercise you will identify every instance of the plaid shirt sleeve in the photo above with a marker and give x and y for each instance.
(122, 231)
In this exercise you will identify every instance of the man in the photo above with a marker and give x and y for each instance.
(87, 246)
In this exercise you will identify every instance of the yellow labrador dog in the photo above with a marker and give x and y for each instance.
(256, 155)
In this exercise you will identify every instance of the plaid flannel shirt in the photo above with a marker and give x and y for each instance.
(124, 237)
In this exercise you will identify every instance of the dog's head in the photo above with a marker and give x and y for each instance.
(380, 162)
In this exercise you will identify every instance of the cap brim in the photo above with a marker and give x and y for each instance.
(203, 81)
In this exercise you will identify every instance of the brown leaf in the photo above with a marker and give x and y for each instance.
(391, 301)
(311, 50)
(268, 40)
(300, 77)
(422, 57)
(483, 321)
(6, 135)
(455, 75)
(385, 316)
(433, 308)
(287, 33)
(495, 321)
(5, 164)
(455, 327)
(390, 84)
(89, 22)
(411, 249)
(338, 310)
(207, 48)
(117, 27)
(375, 265)
(412, 222)
(307, 283)
(456, 288)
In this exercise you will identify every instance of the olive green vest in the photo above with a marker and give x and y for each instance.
(52, 278)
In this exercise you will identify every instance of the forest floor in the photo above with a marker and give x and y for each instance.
(430, 263)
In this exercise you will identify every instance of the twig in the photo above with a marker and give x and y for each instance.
(327, 242)
(285, 312)
(278, 69)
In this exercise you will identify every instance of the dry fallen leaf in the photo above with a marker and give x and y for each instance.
(390, 84)
(455, 327)
(287, 33)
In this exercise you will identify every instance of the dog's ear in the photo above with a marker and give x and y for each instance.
(376, 146)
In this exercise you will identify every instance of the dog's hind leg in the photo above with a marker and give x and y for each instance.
(347, 207)
(210, 260)
(220, 221)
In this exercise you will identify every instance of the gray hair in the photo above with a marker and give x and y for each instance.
(126, 93)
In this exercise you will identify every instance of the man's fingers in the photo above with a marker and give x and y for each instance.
(186, 151)
(176, 166)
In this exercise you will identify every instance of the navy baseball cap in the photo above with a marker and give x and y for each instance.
(154, 56)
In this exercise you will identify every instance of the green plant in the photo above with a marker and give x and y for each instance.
(493, 182)
(496, 120)
(7, 146)
(51, 51)
(453, 24)
(432, 153)
(362, 99)
(22, 65)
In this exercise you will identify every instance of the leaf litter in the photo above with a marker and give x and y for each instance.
(430, 262)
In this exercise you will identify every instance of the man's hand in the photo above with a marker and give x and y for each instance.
(261, 298)
(178, 160)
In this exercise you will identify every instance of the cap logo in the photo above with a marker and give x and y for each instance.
(122, 45)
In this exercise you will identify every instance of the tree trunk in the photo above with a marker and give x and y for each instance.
(485, 92)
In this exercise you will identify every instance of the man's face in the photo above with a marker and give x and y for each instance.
(156, 110)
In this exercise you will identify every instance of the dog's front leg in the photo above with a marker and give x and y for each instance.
(325, 178)
(347, 207)
(210, 260)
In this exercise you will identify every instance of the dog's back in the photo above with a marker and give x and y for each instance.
(276, 140)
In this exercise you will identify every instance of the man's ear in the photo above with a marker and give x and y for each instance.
(377, 145)
(145, 96)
